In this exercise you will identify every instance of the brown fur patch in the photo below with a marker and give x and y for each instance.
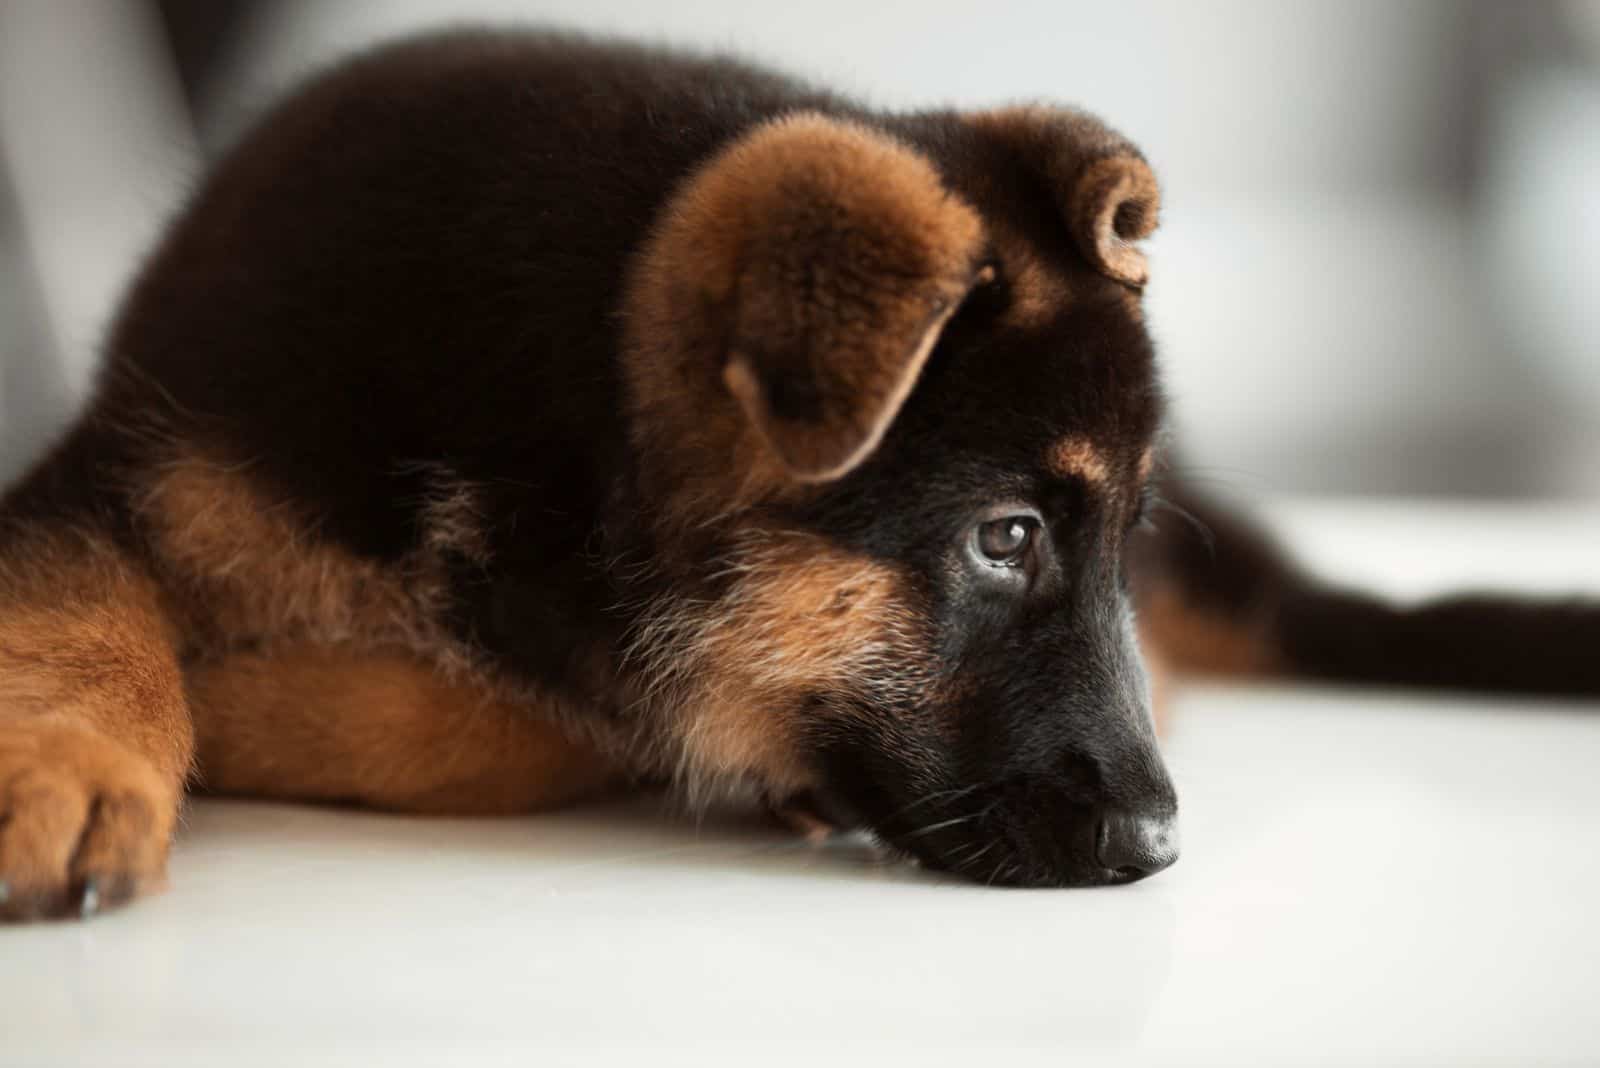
(1077, 457)
(1162, 683)
(316, 673)
(95, 737)
(784, 306)
(83, 636)
(387, 730)
(86, 820)
(1038, 292)
(1147, 465)
(246, 566)
(1189, 641)
(800, 620)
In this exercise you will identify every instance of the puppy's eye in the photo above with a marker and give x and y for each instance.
(1005, 541)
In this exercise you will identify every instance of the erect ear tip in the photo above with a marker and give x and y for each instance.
(1114, 203)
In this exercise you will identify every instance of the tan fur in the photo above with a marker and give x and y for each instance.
(813, 253)
(1188, 641)
(95, 737)
(1077, 457)
(1113, 204)
(744, 381)
(83, 636)
(1038, 292)
(245, 565)
(319, 674)
(387, 730)
(1147, 465)
(801, 618)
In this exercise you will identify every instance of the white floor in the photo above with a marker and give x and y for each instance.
(1367, 878)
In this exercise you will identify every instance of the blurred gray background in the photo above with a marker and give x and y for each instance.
(1379, 268)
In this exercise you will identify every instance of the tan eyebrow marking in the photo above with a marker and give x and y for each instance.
(1075, 456)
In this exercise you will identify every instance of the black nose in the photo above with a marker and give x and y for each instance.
(1134, 846)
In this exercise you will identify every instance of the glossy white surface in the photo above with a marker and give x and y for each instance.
(1367, 878)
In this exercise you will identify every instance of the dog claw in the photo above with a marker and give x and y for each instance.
(89, 900)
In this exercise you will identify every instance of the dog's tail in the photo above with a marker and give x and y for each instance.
(1217, 596)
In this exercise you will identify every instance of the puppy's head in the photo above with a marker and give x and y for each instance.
(893, 410)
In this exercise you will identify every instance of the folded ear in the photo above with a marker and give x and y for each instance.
(810, 267)
(1107, 192)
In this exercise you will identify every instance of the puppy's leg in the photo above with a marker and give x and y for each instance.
(311, 722)
(95, 737)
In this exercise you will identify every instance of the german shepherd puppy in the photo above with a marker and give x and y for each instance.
(511, 416)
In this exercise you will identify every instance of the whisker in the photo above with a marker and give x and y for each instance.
(951, 859)
(953, 794)
(1004, 871)
(970, 860)
(940, 825)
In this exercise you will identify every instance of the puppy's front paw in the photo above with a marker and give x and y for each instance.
(84, 821)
